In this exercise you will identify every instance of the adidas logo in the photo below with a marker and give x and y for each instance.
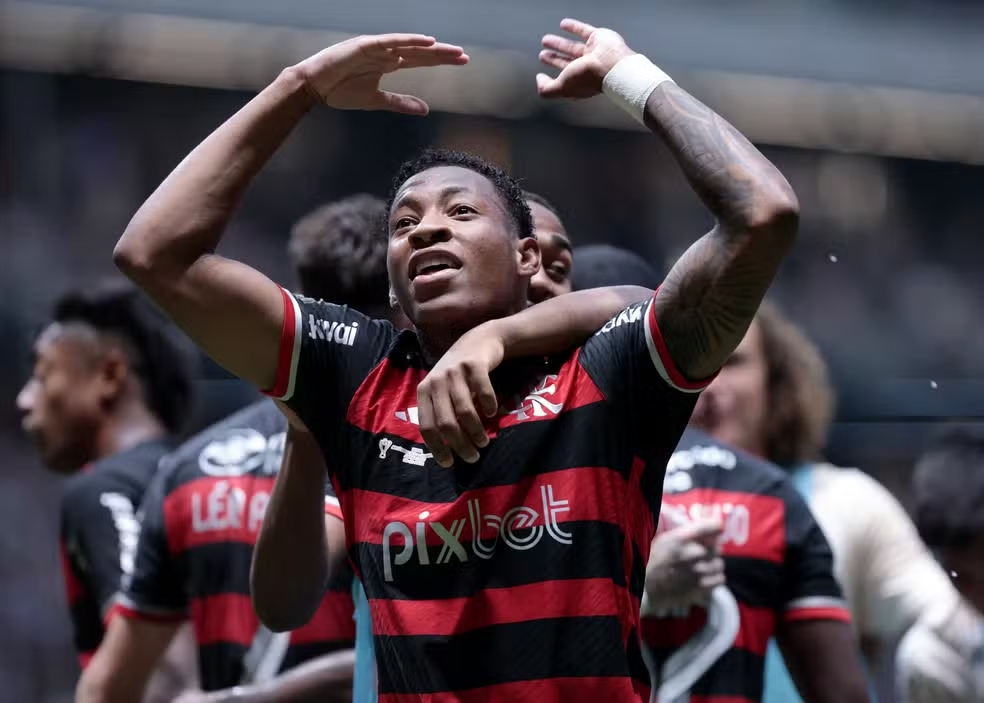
(408, 415)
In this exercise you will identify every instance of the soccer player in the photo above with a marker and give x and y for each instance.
(779, 567)
(773, 399)
(948, 496)
(556, 253)
(517, 573)
(110, 385)
(202, 517)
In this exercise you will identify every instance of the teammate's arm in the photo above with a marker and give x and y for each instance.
(301, 540)
(813, 631)
(710, 296)
(455, 392)
(823, 659)
(168, 249)
(127, 659)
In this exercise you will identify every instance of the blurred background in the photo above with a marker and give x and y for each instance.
(874, 110)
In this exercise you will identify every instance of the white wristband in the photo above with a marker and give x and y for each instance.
(630, 83)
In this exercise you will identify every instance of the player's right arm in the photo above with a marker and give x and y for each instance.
(301, 541)
(169, 247)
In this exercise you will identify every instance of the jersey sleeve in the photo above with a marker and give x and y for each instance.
(810, 589)
(629, 361)
(332, 506)
(155, 588)
(326, 351)
(99, 530)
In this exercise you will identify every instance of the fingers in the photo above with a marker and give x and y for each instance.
(398, 102)
(436, 55)
(548, 87)
(485, 398)
(450, 422)
(554, 60)
(577, 28)
(561, 45)
(428, 428)
(704, 530)
(469, 425)
(393, 41)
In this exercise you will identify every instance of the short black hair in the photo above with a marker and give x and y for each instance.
(602, 265)
(505, 185)
(948, 488)
(532, 197)
(339, 252)
(158, 357)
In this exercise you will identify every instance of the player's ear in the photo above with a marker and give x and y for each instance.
(528, 256)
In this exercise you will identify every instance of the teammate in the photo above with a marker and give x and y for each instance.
(948, 493)
(773, 400)
(556, 253)
(110, 385)
(779, 567)
(454, 610)
(202, 518)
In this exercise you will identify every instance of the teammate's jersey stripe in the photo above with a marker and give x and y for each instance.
(841, 614)
(74, 589)
(757, 628)
(333, 507)
(290, 350)
(224, 618)
(755, 525)
(332, 621)
(126, 608)
(662, 360)
(216, 510)
(498, 606)
(577, 688)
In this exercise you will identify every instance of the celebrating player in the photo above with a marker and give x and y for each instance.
(202, 517)
(773, 400)
(470, 573)
(110, 384)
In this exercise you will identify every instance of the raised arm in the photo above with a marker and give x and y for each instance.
(710, 296)
(168, 248)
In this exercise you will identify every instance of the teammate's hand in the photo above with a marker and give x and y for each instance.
(346, 75)
(583, 62)
(685, 565)
(455, 395)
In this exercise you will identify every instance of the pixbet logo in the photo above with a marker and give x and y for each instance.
(517, 529)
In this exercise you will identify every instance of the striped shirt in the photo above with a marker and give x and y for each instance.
(199, 524)
(518, 577)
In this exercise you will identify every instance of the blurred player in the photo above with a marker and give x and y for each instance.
(556, 254)
(110, 384)
(457, 611)
(773, 399)
(707, 640)
(202, 518)
(948, 640)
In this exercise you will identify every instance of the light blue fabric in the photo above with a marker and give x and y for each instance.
(779, 686)
(364, 686)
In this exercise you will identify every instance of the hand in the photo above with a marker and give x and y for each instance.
(447, 397)
(346, 76)
(192, 696)
(685, 565)
(583, 64)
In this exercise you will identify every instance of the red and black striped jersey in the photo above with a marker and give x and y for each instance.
(99, 536)
(518, 577)
(778, 566)
(199, 525)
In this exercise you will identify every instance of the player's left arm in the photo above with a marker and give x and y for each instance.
(709, 298)
(814, 630)
(327, 679)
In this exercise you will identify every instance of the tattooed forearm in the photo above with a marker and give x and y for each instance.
(712, 293)
(736, 182)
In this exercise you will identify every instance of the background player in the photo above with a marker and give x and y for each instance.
(193, 559)
(110, 384)
(773, 399)
(556, 253)
(779, 581)
(948, 640)
(492, 258)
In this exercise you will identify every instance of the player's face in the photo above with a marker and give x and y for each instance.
(966, 569)
(733, 408)
(556, 257)
(60, 401)
(454, 260)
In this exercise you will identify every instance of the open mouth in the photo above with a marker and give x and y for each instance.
(432, 263)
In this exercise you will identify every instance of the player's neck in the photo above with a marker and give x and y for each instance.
(126, 429)
(436, 340)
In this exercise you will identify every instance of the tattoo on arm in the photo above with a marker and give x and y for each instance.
(712, 293)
